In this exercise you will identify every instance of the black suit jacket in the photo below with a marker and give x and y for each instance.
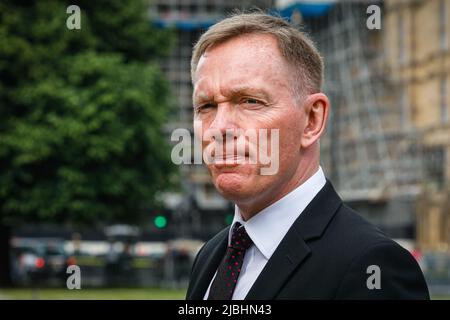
(324, 255)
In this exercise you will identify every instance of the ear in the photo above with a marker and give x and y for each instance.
(316, 107)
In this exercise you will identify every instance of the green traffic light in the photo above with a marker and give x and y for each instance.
(160, 222)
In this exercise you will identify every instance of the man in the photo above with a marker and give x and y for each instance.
(291, 237)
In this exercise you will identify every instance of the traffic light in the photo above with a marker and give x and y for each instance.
(160, 221)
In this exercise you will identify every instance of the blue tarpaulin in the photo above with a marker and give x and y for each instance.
(307, 9)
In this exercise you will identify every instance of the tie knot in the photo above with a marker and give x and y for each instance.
(240, 240)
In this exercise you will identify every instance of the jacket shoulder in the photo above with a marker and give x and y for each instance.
(366, 251)
(354, 231)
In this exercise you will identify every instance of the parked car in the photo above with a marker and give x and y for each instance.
(39, 261)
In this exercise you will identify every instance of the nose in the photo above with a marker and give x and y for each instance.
(224, 122)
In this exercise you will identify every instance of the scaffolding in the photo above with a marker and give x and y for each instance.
(370, 150)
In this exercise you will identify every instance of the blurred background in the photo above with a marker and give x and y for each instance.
(86, 117)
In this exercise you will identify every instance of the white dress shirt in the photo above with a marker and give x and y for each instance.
(267, 228)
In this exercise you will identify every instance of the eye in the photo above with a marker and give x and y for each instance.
(251, 101)
(204, 107)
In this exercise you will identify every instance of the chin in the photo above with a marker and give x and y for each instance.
(233, 186)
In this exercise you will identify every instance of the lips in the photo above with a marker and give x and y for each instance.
(230, 161)
(229, 155)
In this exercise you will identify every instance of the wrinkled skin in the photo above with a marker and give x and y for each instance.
(245, 83)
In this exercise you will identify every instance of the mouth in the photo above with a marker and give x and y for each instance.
(229, 156)
(231, 160)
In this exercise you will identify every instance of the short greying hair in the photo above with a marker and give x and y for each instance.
(295, 46)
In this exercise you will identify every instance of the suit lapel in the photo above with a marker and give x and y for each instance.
(293, 249)
(208, 267)
(289, 254)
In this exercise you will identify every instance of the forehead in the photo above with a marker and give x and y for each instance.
(244, 60)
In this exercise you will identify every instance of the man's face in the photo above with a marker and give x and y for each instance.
(244, 83)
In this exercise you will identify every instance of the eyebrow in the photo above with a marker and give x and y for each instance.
(233, 92)
(246, 90)
(201, 97)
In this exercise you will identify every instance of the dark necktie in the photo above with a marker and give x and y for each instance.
(227, 275)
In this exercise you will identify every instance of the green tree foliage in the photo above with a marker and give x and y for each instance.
(81, 112)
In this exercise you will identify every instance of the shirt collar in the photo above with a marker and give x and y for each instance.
(268, 227)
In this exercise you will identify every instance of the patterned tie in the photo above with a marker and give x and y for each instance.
(227, 275)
